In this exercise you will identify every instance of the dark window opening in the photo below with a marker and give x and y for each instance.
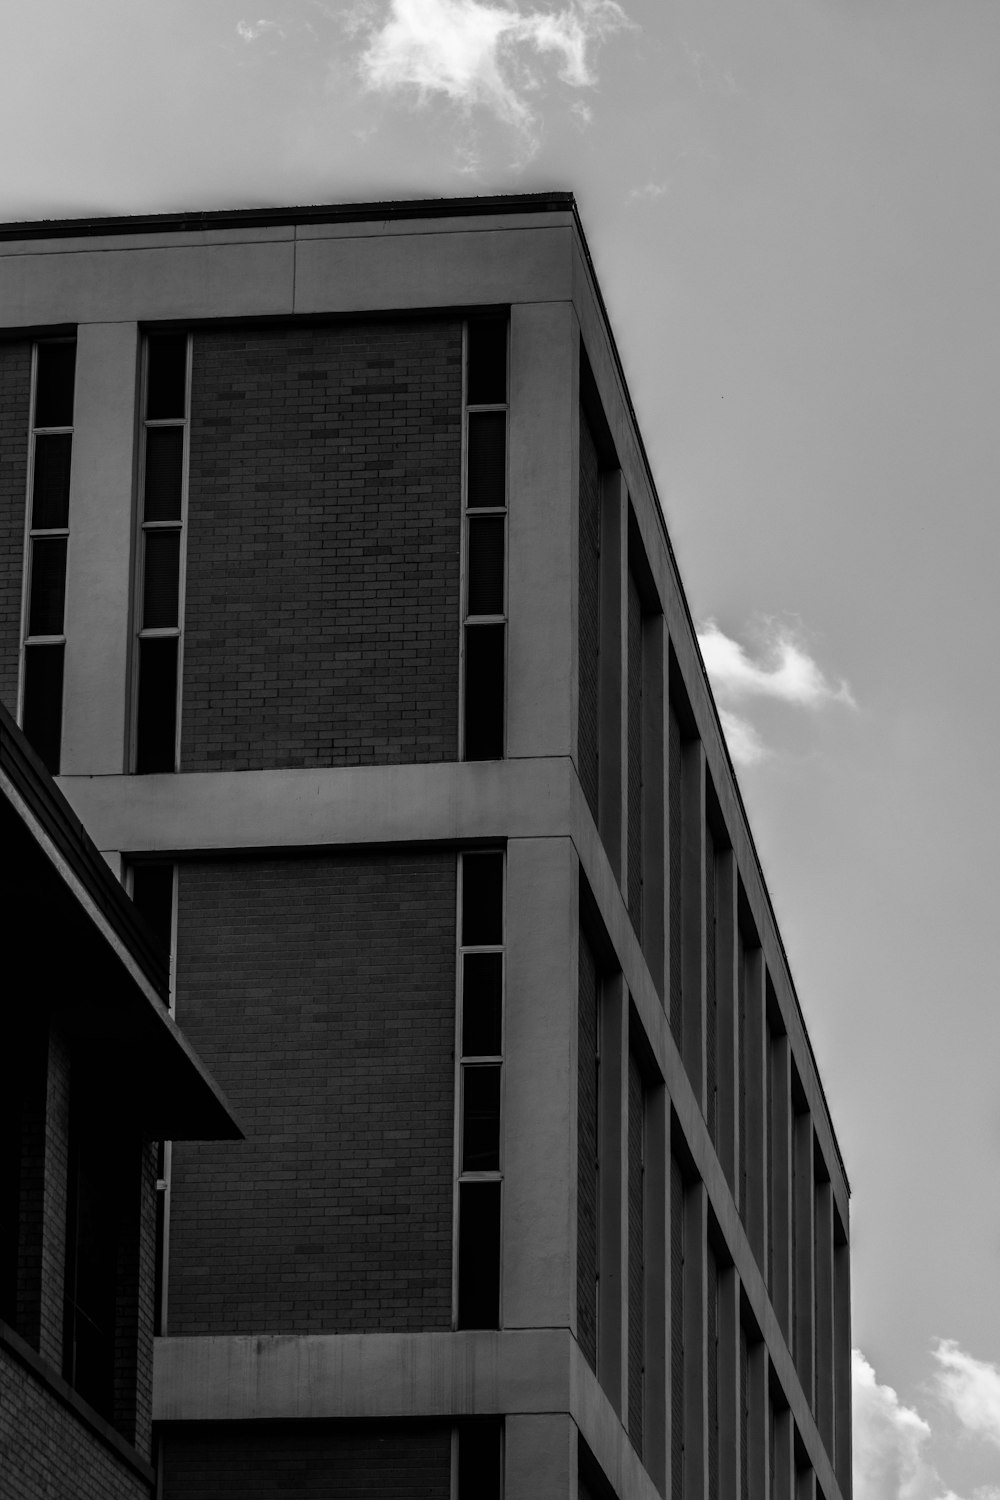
(482, 1002)
(48, 585)
(479, 1255)
(156, 727)
(482, 899)
(484, 692)
(41, 713)
(481, 1119)
(161, 579)
(487, 366)
(480, 1458)
(54, 378)
(487, 460)
(164, 474)
(166, 376)
(486, 548)
(50, 482)
(153, 898)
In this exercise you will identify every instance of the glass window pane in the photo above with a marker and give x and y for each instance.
(484, 692)
(482, 899)
(480, 1446)
(487, 376)
(479, 1255)
(156, 727)
(486, 538)
(164, 471)
(481, 1119)
(41, 719)
(48, 585)
(166, 376)
(50, 485)
(482, 1004)
(161, 572)
(54, 384)
(153, 898)
(487, 458)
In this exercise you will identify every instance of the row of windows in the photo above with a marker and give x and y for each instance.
(633, 1157)
(163, 462)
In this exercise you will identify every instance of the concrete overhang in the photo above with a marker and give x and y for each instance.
(80, 956)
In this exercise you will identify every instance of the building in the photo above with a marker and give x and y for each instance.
(95, 1074)
(346, 613)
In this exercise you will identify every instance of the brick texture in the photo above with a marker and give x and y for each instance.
(15, 414)
(586, 1155)
(320, 993)
(351, 1460)
(322, 596)
(589, 613)
(48, 1453)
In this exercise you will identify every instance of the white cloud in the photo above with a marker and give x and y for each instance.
(252, 31)
(888, 1442)
(650, 190)
(481, 54)
(783, 669)
(745, 744)
(971, 1388)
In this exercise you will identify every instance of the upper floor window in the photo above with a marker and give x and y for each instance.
(484, 613)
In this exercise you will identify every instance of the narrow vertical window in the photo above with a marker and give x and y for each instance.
(479, 1087)
(636, 1252)
(153, 887)
(160, 552)
(484, 610)
(677, 1353)
(480, 1458)
(51, 445)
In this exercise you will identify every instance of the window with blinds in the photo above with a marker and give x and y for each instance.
(484, 616)
(162, 506)
(44, 639)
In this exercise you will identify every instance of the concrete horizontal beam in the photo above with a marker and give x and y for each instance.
(344, 805)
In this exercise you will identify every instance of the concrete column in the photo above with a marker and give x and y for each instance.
(695, 1342)
(726, 994)
(611, 726)
(802, 1270)
(540, 1458)
(654, 695)
(540, 1070)
(655, 1292)
(612, 1354)
(784, 1456)
(781, 1181)
(757, 1434)
(99, 556)
(543, 527)
(693, 912)
(843, 1447)
(823, 1274)
(756, 1024)
(730, 1416)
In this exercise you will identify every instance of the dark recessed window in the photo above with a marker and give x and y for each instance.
(487, 459)
(54, 379)
(479, 1254)
(482, 900)
(485, 652)
(486, 545)
(480, 1458)
(481, 1118)
(486, 383)
(482, 1004)
(156, 726)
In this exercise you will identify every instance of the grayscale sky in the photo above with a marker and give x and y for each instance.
(794, 210)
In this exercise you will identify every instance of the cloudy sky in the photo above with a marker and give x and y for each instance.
(794, 209)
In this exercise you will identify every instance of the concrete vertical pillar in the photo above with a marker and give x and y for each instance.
(726, 993)
(823, 1288)
(757, 1422)
(543, 527)
(695, 1314)
(781, 1181)
(540, 1458)
(612, 1354)
(655, 1299)
(654, 695)
(540, 1070)
(99, 555)
(755, 1216)
(693, 912)
(802, 1270)
(843, 1447)
(611, 728)
(730, 1415)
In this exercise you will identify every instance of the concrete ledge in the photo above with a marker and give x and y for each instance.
(216, 810)
(354, 1375)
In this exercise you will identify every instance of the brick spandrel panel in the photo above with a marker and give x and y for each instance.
(351, 1460)
(48, 1453)
(321, 619)
(15, 414)
(320, 993)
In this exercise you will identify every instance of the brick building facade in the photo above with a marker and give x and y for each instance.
(344, 610)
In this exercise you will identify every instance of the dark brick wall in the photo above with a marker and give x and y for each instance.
(15, 414)
(586, 1155)
(634, 768)
(349, 1460)
(320, 993)
(636, 1258)
(590, 612)
(48, 1453)
(321, 619)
